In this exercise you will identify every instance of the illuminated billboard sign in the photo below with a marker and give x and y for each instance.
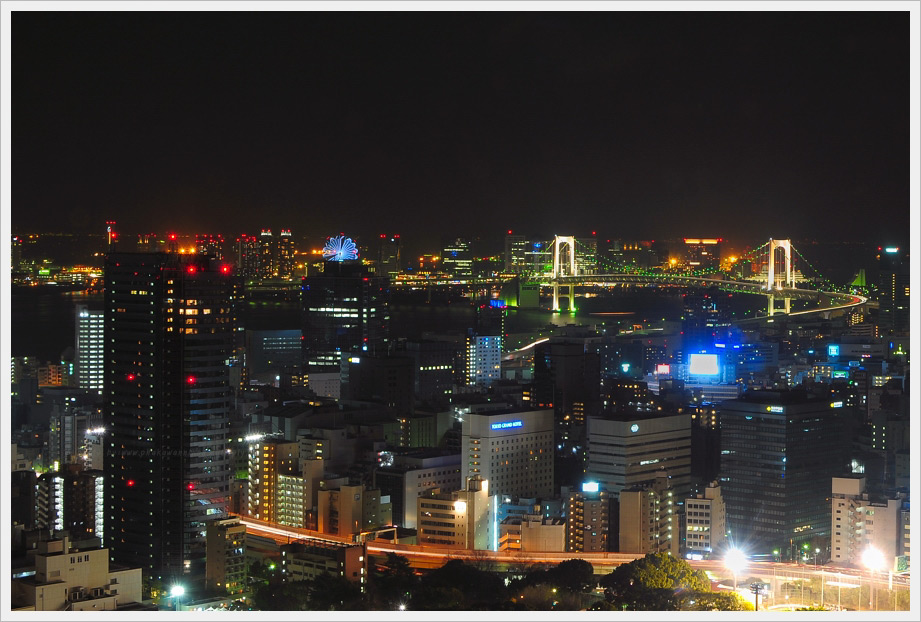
(775, 409)
(663, 369)
(839, 374)
(834, 350)
(590, 487)
(504, 425)
(704, 365)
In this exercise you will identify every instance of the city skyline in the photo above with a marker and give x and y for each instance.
(657, 124)
(414, 307)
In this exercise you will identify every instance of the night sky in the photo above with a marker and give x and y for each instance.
(637, 125)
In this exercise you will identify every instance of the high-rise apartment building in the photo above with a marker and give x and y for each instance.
(226, 554)
(284, 255)
(589, 525)
(268, 460)
(266, 254)
(649, 518)
(346, 311)
(780, 451)
(90, 348)
(705, 521)
(210, 244)
(861, 520)
(249, 257)
(169, 332)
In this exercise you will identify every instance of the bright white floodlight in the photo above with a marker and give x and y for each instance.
(176, 590)
(735, 560)
(872, 559)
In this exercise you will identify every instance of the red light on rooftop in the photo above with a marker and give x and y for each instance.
(190, 486)
(383, 235)
(190, 379)
(131, 377)
(397, 235)
(510, 232)
(594, 233)
(225, 269)
(130, 483)
(172, 236)
(191, 269)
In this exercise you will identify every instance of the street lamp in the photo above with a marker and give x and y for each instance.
(735, 560)
(873, 560)
(176, 592)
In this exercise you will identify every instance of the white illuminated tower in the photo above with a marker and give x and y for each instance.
(90, 350)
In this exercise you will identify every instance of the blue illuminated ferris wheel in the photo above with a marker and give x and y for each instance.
(340, 248)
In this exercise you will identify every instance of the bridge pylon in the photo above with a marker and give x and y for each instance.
(777, 282)
(561, 268)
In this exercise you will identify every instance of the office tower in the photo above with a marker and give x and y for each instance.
(705, 522)
(702, 254)
(249, 257)
(434, 365)
(780, 452)
(346, 311)
(516, 248)
(169, 332)
(630, 447)
(284, 264)
(89, 351)
(388, 256)
(589, 526)
(457, 259)
(894, 280)
(649, 518)
(539, 256)
(861, 520)
(705, 321)
(225, 569)
(268, 459)
(266, 254)
(111, 235)
(386, 380)
(513, 451)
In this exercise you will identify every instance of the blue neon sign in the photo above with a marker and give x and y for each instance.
(507, 424)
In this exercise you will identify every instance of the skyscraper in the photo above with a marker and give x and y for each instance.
(457, 259)
(388, 257)
(89, 354)
(893, 290)
(266, 254)
(249, 256)
(516, 258)
(780, 451)
(169, 332)
(345, 310)
(284, 255)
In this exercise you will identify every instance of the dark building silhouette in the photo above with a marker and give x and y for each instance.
(780, 450)
(345, 311)
(169, 332)
(894, 279)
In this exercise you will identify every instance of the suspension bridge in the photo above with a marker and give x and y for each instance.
(772, 272)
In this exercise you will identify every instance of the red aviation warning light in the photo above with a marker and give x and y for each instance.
(191, 269)
(225, 269)
(131, 377)
(190, 380)
(130, 483)
(190, 486)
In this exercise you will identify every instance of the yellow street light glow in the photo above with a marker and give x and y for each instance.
(873, 559)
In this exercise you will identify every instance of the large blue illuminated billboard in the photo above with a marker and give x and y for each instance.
(704, 365)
